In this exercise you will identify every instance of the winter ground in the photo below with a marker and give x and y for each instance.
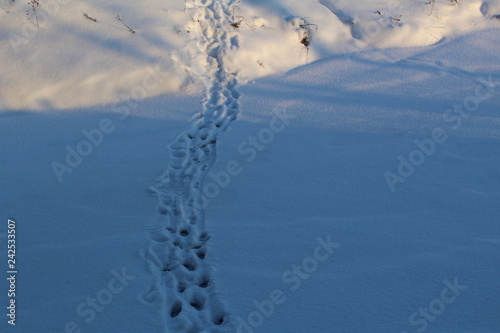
(357, 190)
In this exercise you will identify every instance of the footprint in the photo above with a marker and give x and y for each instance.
(485, 8)
(201, 254)
(184, 232)
(151, 296)
(204, 237)
(205, 280)
(198, 301)
(234, 41)
(219, 320)
(163, 210)
(176, 309)
(178, 153)
(191, 156)
(190, 264)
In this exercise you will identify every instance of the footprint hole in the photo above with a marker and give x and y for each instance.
(176, 309)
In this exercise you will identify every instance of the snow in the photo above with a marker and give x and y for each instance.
(353, 185)
(269, 32)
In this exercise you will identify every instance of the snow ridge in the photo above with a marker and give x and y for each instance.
(177, 249)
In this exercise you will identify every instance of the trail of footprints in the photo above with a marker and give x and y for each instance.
(177, 252)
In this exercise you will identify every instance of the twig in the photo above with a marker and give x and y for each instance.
(233, 9)
(34, 7)
(90, 17)
(431, 2)
(132, 31)
(237, 22)
(306, 39)
(396, 19)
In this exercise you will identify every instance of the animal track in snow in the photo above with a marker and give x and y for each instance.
(178, 241)
(343, 17)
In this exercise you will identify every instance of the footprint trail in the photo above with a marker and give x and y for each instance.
(178, 242)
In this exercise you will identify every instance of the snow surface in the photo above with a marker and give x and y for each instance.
(314, 145)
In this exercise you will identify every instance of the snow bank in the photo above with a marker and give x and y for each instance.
(75, 54)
